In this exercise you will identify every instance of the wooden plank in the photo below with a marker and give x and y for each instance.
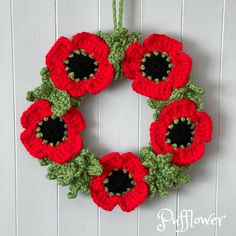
(202, 40)
(33, 35)
(7, 160)
(227, 147)
(79, 216)
(158, 16)
(119, 120)
(123, 118)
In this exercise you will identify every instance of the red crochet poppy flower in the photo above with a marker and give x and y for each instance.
(80, 65)
(46, 135)
(181, 130)
(122, 182)
(157, 66)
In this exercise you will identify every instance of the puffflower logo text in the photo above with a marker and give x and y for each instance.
(185, 220)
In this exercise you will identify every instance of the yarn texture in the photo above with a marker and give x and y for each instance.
(58, 61)
(133, 195)
(86, 65)
(157, 67)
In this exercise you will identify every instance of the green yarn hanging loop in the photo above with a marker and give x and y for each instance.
(120, 16)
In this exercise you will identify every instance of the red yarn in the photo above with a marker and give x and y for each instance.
(61, 50)
(62, 152)
(178, 76)
(127, 201)
(203, 132)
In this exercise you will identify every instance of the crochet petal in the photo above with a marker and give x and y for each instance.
(32, 144)
(188, 155)
(143, 86)
(75, 121)
(133, 165)
(100, 197)
(203, 128)
(102, 79)
(58, 53)
(66, 150)
(35, 113)
(162, 43)
(158, 138)
(92, 44)
(110, 161)
(180, 72)
(134, 197)
(132, 61)
(178, 109)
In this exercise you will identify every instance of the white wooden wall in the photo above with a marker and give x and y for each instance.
(118, 119)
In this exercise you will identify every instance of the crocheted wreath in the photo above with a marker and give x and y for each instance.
(87, 64)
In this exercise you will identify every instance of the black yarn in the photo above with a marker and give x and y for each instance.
(118, 182)
(53, 130)
(156, 66)
(81, 65)
(181, 133)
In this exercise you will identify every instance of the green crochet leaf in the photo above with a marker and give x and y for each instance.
(163, 175)
(159, 104)
(118, 42)
(77, 101)
(60, 100)
(195, 88)
(42, 91)
(44, 161)
(190, 91)
(198, 101)
(77, 173)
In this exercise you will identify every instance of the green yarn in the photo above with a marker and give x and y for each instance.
(77, 101)
(114, 14)
(120, 15)
(118, 41)
(60, 100)
(44, 161)
(163, 175)
(77, 173)
(190, 91)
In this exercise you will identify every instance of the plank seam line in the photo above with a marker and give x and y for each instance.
(99, 126)
(219, 113)
(58, 188)
(139, 115)
(177, 192)
(14, 114)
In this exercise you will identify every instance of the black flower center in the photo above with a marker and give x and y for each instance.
(80, 66)
(118, 182)
(52, 130)
(180, 133)
(156, 66)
